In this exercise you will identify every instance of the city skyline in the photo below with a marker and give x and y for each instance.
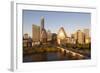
(71, 21)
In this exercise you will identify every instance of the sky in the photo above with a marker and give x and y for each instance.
(70, 21)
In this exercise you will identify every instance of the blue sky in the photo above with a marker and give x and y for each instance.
(71, 21)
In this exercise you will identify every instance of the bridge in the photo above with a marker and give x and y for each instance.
(74, 54)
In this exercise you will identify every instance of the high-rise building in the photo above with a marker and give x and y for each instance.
(49, 35)
(54, 39)
(39, 33)
(42, 23)
(43, 36)
(74, 36)
(35, 34)
(43, 33)
(87, 40)
(61, 36)
(80, 37)
(86, 32)
(87, 36)
(27, 41)
(73, 39)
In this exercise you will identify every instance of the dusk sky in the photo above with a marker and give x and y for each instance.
(71, 21)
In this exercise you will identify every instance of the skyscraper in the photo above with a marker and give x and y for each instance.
(86, 32)
(87, 36)
(61, 36)
(27, 41)
(43, 33)
(39, 33)
(80, 37)
(73, 38)
(42, 23)
(49, 35)
(35, 33)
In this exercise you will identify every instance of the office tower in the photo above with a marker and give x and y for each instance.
(86, 32)
(42, 23)
(87, 36)
(35, 34)
(43, 33)
(27, 41)
(61, 36)
(80, 37)
(73, 38)
(49, 35)
(54, 39)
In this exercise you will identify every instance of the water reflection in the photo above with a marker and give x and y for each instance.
(52, 56)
